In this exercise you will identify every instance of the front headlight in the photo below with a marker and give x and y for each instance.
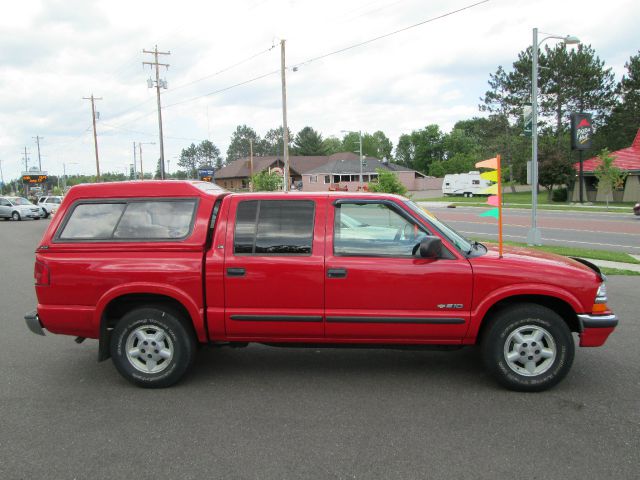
(601, 294)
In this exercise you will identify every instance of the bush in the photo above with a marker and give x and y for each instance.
(560, 195)
(266, 182)
(387, 182)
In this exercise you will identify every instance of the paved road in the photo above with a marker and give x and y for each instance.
(602, 231)
(286, 413)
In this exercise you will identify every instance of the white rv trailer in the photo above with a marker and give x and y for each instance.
(467, 184)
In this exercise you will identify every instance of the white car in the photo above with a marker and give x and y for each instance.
(49, 205)
(17, 208)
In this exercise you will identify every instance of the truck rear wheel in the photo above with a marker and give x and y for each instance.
(151, 347)
(528, 348)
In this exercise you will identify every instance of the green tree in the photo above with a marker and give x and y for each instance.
(420, 148)
(332, 145)
(189, 160)
(209, 155)
(609, 176)
(622, 125)
(308, 142)
(273, 142)
(240, 140)
(266, 182)
(387, 182)
(554, 166)
(574, 80)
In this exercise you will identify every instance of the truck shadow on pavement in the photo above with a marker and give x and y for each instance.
(337, 364)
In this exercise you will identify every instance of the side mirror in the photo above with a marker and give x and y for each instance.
(429, 247)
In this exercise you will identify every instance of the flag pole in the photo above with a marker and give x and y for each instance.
(499, 206)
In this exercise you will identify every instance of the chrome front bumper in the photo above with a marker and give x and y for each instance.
(33, 322)
(597, 321)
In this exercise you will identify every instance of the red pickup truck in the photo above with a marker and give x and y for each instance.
(152, 269)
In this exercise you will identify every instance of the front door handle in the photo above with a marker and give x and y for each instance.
(235, 272)
(336, 273)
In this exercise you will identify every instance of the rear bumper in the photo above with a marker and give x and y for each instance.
(33, 322)
(595, 329)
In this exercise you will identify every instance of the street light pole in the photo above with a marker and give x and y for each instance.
(359, 132)
(533, 236)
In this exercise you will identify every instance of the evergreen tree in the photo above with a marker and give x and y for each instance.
(308, 142)
(623, 123)
(240, 143)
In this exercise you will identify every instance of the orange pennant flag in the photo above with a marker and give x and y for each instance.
(491, 163)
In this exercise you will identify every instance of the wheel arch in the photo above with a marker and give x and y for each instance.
(113, 309)
(555, 304)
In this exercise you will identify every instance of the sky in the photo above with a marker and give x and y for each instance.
(55, 52)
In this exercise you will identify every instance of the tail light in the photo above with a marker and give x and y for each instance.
(41, 274)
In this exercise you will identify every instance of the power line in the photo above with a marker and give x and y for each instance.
(335, 52)
(395, 32)
(319, 57)
(173, 89)
(226, 69)
(222, 89)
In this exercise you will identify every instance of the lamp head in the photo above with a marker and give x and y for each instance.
(571, 40)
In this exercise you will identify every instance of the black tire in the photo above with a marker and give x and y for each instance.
(46, 214)
(143, 324)
(15, 216)
(532, 367)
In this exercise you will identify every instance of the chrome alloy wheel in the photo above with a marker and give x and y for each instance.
(149, 349)
(530, 350)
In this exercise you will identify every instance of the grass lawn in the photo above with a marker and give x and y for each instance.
(523, 200)
(581, 252)
(617, 271)
(585, 253)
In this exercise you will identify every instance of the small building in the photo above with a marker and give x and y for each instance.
(343, 173)
(627, 159)
(319, 173)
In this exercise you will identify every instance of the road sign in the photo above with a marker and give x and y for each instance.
(581, 131)
(34, 178)
(206, 174)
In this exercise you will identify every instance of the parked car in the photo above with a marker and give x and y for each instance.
(636, 209)
(152, 269)
(49, 205)
(17, 208)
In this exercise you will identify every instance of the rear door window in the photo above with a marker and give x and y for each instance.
(274, 227)
(129, 220)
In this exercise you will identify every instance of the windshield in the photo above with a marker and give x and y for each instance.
(20, 201)
(461, 243)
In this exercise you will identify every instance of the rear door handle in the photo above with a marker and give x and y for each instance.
(235, 272)
(337, 273)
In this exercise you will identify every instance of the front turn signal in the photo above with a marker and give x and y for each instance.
(599, 308)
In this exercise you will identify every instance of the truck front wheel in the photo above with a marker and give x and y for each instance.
(151, 347)
(528, 348)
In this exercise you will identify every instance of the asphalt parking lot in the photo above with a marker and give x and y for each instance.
(262, 412)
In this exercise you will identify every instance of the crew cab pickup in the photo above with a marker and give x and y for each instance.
(152, 269)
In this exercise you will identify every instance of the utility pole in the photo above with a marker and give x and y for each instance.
(135, 161)
(159, 84)
(140, 155)
(26, 160)
(37, 138)
(95, 136)
(285, 129)
(251, 164)
(1, 179)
